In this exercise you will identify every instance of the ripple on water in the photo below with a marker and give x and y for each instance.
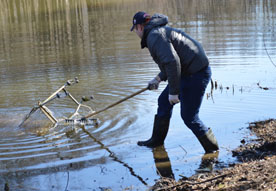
(57, 147)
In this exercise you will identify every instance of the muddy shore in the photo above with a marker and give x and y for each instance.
(256, 169)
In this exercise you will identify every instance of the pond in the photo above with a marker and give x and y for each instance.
(45, 43)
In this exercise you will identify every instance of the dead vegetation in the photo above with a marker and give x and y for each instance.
(256, 170)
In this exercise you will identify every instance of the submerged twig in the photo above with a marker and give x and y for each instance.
(67, 181)
(268, 53)
(264, 88)
(183, 150)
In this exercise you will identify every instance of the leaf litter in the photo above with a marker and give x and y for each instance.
(255, 170)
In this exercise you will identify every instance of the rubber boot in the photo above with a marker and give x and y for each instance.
(159, 133)
(209, 142)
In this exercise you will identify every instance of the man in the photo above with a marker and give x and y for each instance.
(183, 62)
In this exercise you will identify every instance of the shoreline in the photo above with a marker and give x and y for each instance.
(255, 169)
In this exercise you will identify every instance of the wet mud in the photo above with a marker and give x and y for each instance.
(254, 170)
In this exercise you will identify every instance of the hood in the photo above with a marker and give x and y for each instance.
(157, 20)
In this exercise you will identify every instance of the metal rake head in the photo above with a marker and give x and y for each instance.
(82, 121)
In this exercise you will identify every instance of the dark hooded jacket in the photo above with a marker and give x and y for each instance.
(176, 53)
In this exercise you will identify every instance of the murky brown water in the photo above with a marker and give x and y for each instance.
(45, 43)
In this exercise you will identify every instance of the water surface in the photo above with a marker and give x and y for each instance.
(45, 43)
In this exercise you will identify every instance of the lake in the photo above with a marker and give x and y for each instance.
(45, 43)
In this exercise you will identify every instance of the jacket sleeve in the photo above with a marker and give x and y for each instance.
(165, 56)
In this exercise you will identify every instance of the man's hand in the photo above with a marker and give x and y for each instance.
(154, 83)
(173, 99)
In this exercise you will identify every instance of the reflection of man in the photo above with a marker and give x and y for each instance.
(207, 162)
(162, 162)
(183, 62)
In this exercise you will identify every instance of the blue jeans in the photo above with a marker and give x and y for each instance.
(192, 90)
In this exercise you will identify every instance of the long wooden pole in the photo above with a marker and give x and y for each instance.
(116, 103)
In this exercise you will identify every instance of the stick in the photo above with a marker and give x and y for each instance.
(116, 103)
(267, 52)
(67, 181)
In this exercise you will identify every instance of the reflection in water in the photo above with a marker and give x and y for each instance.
(113, 156)
(164, 168)
(162, 162)
(50, 37)
(44, 43)
(208, 161)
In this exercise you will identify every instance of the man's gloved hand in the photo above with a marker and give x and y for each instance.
(173, 99)
(154, 83)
